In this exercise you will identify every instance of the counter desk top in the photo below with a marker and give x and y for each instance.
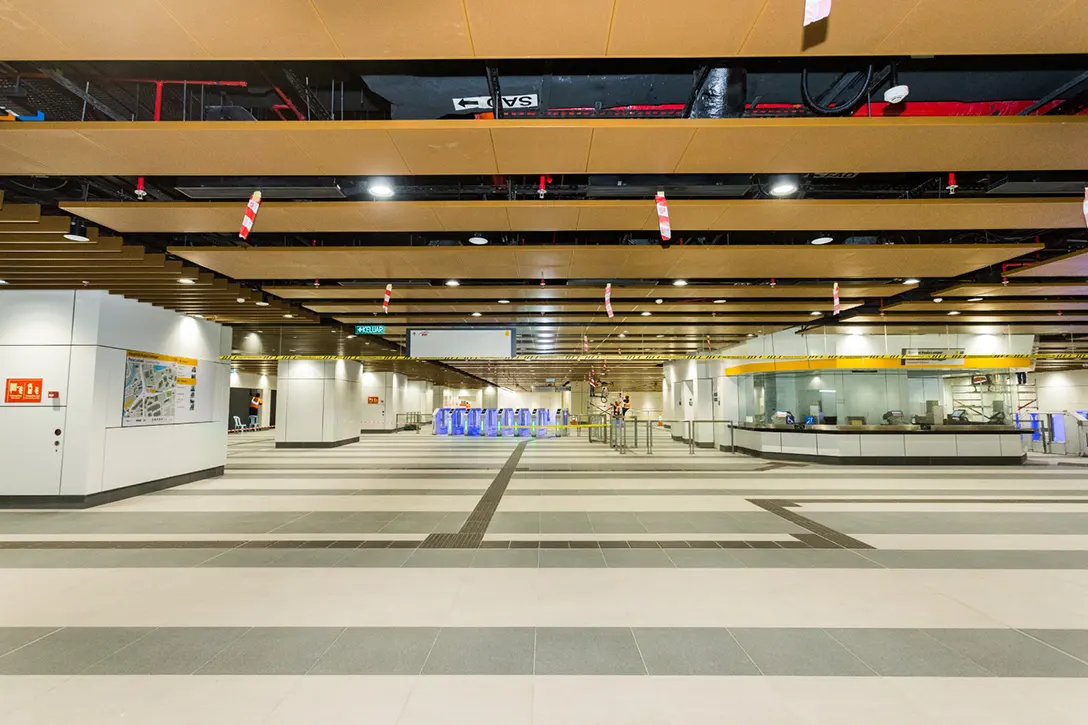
(964, 429)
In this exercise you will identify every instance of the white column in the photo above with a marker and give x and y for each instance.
(319, 403)
(266, 386)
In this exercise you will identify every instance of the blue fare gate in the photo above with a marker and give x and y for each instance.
(441, 421)
(543, 421)
(507, 422)
(490, 423)
(457, 421)
(525, 422)
(473, 421)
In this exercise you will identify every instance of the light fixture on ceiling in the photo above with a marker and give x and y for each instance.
(910, 280)
(197, 316)
(504, 302)
(380, 188)
(953, 312)
(679, 283)
(3, 281)
(660, 335)
(452, 283)
(288, 315)
(815, 313)
(241, 300)
(475, 314)
(186, 280)
(261, 303)
(822, 240)
(351, 337)
(647, 313)
(623, 334)
(719, 302)
(938, 300)
(477, 239)
(974, 299)
(783, 185)
(658, 301)
(751, 334)
(77, 231)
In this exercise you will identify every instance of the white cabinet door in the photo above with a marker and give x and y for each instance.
(30, 460)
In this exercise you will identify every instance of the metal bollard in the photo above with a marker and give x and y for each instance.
(691, 437)
(649, 438)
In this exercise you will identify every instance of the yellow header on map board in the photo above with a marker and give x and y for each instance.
(163, 358)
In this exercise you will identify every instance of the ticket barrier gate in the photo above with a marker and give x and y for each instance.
(441, 422)
(507, 421)
(457, 421)
(543, 422)
(525, 422)
(473, 421)
(562, 418)
(490, 423)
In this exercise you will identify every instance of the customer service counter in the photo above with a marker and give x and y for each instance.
(969, 445)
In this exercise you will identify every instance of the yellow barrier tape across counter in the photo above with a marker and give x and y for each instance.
(646, 358)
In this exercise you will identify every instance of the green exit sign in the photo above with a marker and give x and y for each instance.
(370, 329)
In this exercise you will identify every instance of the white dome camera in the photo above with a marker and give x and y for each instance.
(896, 94)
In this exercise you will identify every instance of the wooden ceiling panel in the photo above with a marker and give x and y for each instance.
(730, 262)
(543, 217)
(471, 216)
(524, 147)
(396, 216)
(445, 148)
(1062, 31)
(695, 27)
(854, 29)
(929, 306)
(660, 144)
(556, 28)
(943, 23)
(609, 216)
(19, 214)
(281, 29)
(1020, 289)
(331, 150)
(401, 29)
(737, 148)
(1067, 265)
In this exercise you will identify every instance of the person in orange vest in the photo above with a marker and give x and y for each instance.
(254, 409)
(626, 404)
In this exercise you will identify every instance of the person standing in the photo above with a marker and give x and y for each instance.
(626, 404)
(254, 409)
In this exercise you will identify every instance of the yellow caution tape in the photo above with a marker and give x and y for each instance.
(639, 358)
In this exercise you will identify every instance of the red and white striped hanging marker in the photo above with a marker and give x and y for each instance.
(816, 10)
(1086, 206)
(608, 300)
(388, 294)
(663, 217)
(835, 297)
(585, 343)
(251, 215)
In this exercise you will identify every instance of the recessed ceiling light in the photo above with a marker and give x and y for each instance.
(475, 314)
(261, 303)
(660, 335)
(452, 283)
(77, 231)
(751, 334)
(381, 188)
(783, 185)
(910, 280)
(186, 280)
(953, 312)
(199, 317)
(351, 337)
(822, 240)
(815, 314)
(3, 281)
(680, 283)
(504, 302)
(623, 334)
(719, 302)
(647, 313)
(288, 315)
(974, 299)
(477, 240)
(241, 300)
(658, 301)
(938, 300)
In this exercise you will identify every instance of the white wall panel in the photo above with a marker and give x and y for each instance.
(32, 464)
(150, 453)
(36, 317)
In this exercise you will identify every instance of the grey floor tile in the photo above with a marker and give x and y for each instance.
(482, 651)
(666, 523)
(376, 557)
(316, 522)
(169, 651)
(506, 558)
(803, 559)
(789, 651)
(1073, 641)
(1008, 653)
(587, 651)
(12, 638)
(273, 651)
(931, 559)
(565, 523)
(441, 558)
(318, 558)
(378, 651)
(692, 651)
(69, 651)
(256, 557)
(422, 522)
(515, 523)
(451, 523)
(906, 653)
(637, 558)
(571, 558)
(702, 558)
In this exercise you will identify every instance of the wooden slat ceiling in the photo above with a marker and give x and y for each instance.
(1018, 289)
(627, 215)
(996, 306)
(614, 262)
(1069, 265)
(520, 146)
(415, 29)
(620, 291)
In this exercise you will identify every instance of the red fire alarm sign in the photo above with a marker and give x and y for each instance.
(23, 390)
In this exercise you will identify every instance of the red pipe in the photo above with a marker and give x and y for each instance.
(288, 104)
(158, 100)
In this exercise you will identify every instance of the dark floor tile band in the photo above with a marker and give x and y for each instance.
(779, 508)
(472, 531)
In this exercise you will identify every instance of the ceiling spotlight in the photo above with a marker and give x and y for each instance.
(198, 316)
(660, 335)
(477, 240)
(953, 312)
(910, 280)
(77, 231)
(261, 303)
(658, 301)
(351, 337)
(751, 334)
(504, 302)
(815, 314)
(241, 300)
(680, 283)
(380, 188)
(822, 240)
(938, 300)
(646, 313)
(719, 302)
(3, 281)
(288, 315)
(974, 299)
(475, 314)
(186, 280)
(452, 283)
(623, 334)
(783, 185)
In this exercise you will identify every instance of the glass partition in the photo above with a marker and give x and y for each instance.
(864, 397)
